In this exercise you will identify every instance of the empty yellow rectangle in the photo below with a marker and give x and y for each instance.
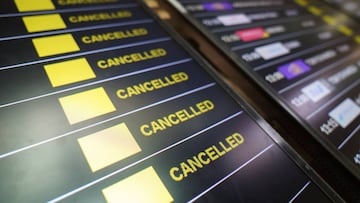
(345, 30)
(142, 187)
(43, 22)
(357, 39)
(59, 44)
(315, 10)
(34, 5)
(108, 146)
(329, 20)
(86, 105)
(302, 2)
(68, 72)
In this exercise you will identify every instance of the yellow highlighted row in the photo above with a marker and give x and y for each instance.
(315, 10)
(302, 2)
(345, 30)
(357, 39)
(329, 20)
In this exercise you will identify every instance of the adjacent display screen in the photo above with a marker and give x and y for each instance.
(99, 103)
(306, 55)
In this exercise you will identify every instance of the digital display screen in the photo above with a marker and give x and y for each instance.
(304, 53)
(101, 103)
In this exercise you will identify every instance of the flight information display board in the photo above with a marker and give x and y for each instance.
(101, 103)
(304, 53)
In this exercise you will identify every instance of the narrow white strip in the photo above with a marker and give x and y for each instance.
(349, 137)
(302, 189)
